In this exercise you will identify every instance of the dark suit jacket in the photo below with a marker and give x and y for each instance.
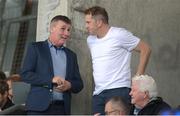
(37, 70)
(155, 107)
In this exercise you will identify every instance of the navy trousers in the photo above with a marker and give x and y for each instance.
(55, 108)
(100, 100)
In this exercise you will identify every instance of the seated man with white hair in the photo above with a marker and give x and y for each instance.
(144, 97)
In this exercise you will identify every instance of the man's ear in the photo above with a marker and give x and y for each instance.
(51, 30)
(52, 27)
(146, 94)
(99, 23)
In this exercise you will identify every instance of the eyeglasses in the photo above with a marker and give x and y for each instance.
(111, 112)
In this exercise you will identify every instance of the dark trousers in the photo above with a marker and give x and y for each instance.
(100, 100)
(55, 108)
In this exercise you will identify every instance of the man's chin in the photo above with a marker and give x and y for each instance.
(61, 43)
(132, 102)
(62, 40)
(92, 34)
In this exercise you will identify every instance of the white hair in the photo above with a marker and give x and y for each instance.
(146, 83)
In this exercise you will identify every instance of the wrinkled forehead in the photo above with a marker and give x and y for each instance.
(88, 16)
(135, 84)
(135, 81)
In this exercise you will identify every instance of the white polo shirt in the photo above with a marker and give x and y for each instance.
(111, 56)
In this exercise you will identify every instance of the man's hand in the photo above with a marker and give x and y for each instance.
(62, 84)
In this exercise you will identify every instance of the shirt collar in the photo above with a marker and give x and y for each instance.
(136, 111)
(51, 45)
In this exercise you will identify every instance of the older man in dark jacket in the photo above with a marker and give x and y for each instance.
(52, 71)
(144, 97)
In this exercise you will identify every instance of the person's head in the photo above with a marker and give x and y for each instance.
(60, 27)
(95, 18)
(8, 81)
(2, 75)
(116, 106)
(4, 88)
(142, 90)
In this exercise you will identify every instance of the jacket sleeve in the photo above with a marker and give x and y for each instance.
(76, 81)
(29, 72)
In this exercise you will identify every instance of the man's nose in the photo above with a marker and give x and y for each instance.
(130, 93)
(86, 26)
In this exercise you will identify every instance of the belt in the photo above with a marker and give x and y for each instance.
(43, 86)
(57, 102)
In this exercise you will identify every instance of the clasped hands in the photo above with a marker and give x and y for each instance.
(62, 84)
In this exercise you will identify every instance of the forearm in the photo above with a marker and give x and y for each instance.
(144, 58)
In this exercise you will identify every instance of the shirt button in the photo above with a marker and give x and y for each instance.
(50, 90)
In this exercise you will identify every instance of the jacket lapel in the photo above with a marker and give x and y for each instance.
(48, 56)
(67, 62)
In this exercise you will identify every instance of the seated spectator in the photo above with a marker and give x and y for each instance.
(144, 97)
(9, 82)
(15, 78)
(18, 109)
(116, 106)
(5, 102)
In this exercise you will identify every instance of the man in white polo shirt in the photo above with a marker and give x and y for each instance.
(111, 49)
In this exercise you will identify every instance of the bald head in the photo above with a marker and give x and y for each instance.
(116, 106)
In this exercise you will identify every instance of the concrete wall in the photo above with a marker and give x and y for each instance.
(155, 21)
(81, 103)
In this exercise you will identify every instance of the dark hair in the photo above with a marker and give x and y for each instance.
(2, 75)
(4, 87)
(96, 11)
(62, 18)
